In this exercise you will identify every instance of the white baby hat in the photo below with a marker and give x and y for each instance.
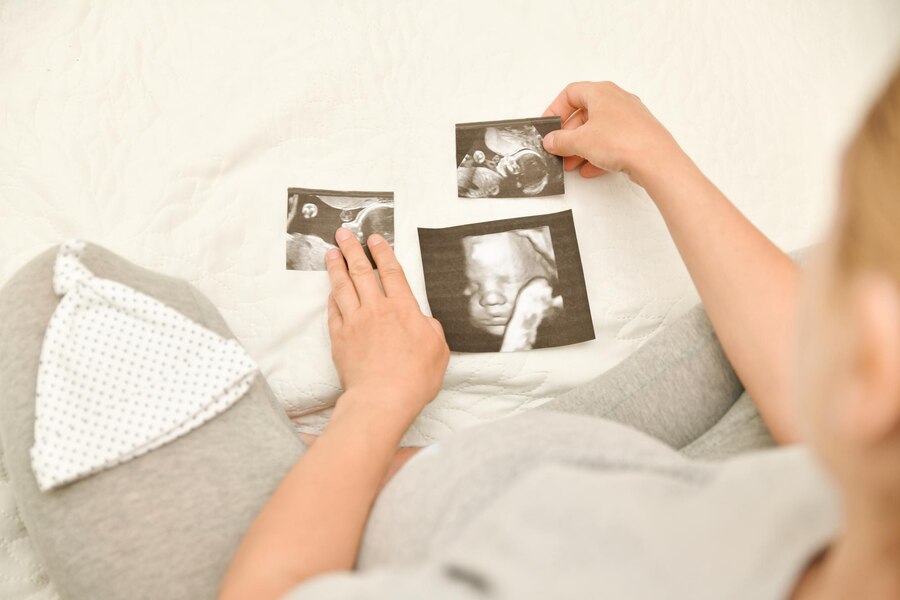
(121, 373)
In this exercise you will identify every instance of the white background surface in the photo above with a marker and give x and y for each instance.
(169, 132)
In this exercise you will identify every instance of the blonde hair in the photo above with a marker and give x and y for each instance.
(868, 237)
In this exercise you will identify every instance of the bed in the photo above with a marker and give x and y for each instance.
(170, 131)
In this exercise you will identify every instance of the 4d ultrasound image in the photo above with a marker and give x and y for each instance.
(506, 159)
(508, 285)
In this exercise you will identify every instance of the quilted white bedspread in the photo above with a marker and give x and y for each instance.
(169, 131)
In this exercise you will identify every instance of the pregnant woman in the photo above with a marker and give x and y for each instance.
(556, 503)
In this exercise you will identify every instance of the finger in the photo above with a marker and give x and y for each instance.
(564, 142)
(342, 289)
(577, 119)
(358, 266)
(570, 163)
(389, 270)
(569, 100)
(335, 320)
(589, 170)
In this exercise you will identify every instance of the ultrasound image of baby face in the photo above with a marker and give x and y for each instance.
(498, 265)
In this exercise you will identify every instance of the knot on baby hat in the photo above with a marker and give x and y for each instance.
(121, 373)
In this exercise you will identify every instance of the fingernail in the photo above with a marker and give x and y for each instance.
(548, 141)
(342, 234)
(332, 254)
(375, 239)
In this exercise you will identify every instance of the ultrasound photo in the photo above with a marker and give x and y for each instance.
(506, 159)
(506, 286)
(314, 215)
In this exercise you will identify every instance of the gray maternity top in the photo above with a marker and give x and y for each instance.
(551, 505)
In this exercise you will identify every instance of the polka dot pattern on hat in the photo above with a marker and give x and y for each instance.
(121, 373)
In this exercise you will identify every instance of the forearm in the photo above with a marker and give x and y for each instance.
(314, 521)
(749, 287)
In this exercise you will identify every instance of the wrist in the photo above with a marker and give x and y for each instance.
(371, 433)
(656, 161)
(390, 409)
(666, 172)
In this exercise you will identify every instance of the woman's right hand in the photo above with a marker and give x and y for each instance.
(606, 128)
(749, 287)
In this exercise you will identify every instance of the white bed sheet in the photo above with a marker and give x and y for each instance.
(170, 132)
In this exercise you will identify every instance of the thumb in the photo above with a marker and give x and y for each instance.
(438, 328)
(563, 142)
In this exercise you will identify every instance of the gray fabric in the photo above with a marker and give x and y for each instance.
(435, 495)
(164, 525)
(741, 430)
(675, 388)
(678, 388)
(554, 505)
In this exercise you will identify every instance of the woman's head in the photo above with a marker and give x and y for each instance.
(850, 350)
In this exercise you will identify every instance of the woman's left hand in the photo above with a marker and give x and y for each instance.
(387, 353)
(391, 359)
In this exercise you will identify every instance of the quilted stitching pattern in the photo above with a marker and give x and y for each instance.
(169, 131)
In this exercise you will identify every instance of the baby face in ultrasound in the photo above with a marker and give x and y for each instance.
(521, 159)
(498, 265)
